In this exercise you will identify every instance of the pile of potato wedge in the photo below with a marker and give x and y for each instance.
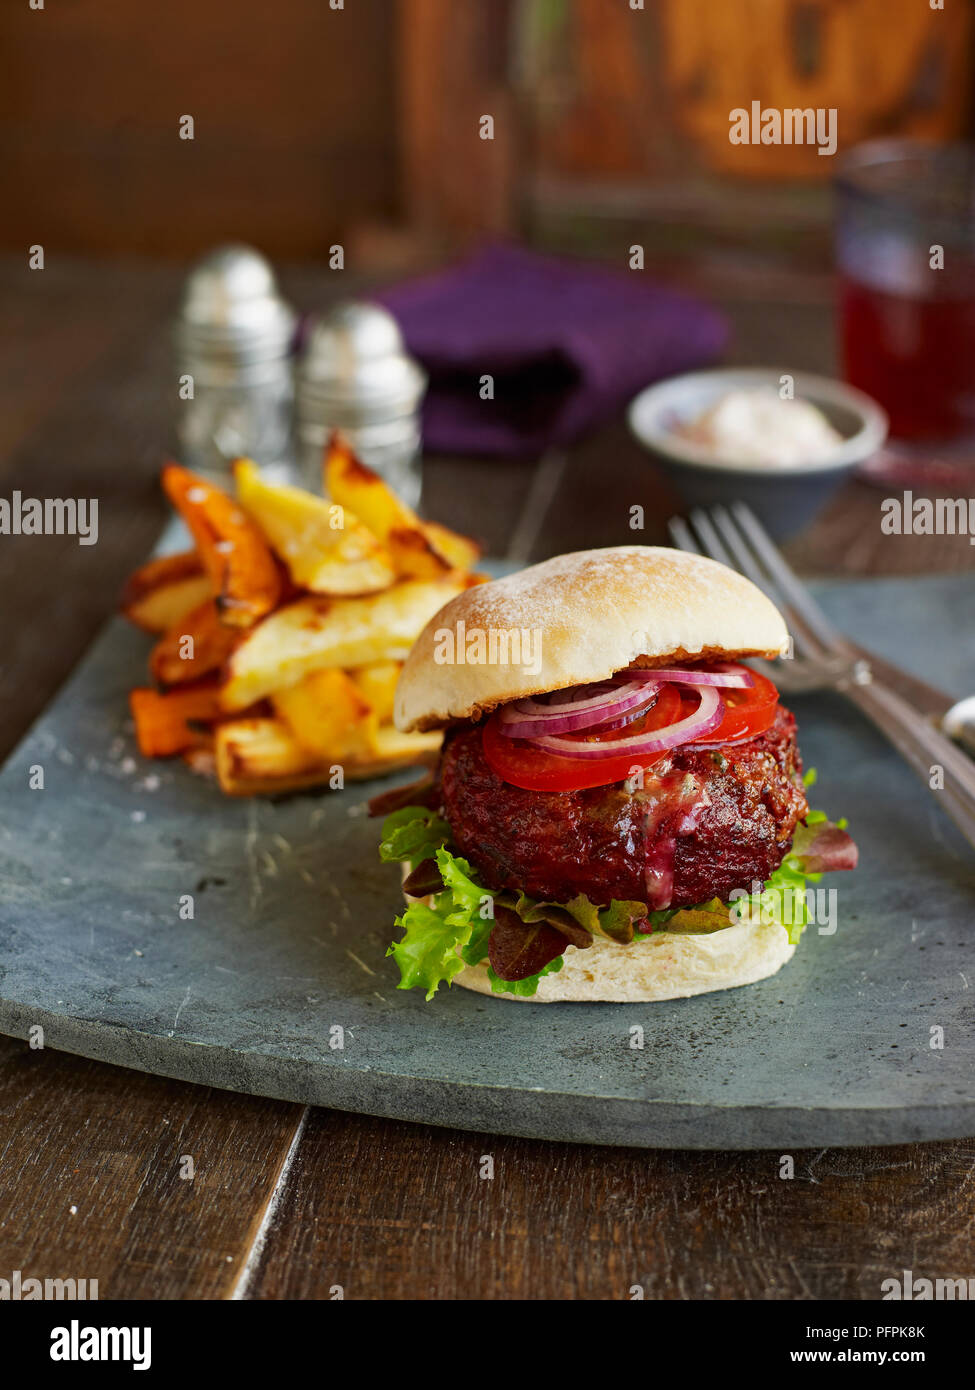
(281, 634)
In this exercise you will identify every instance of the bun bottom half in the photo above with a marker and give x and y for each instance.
(666, 965)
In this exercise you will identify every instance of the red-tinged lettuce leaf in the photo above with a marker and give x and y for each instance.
(567, 926)
(820, 847)
(616, 921)
(562, 918)
(706, 917)
(518, 949)
(620, 920)
(423, 880)
(527, 987)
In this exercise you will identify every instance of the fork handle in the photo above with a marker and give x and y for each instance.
(922, 746)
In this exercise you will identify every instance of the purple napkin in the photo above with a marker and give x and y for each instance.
(568, 343)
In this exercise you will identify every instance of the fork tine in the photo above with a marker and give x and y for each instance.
(680, 534)
(784, 576)
(745, 560)
(739, 557)
(709, 537)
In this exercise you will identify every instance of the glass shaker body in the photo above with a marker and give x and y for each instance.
(238, 411)
(356, 376)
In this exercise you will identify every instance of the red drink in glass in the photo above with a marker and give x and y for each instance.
(906, 253)
(916, 356)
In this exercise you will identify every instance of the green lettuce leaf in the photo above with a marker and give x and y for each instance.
(427, 951)
(782, 900)
(468, 898)
(411, 835)
(459, 920)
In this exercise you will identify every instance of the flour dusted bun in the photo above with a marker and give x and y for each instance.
(579, 618)
(665, 965)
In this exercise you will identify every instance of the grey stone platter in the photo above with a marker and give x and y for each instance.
(293, 913)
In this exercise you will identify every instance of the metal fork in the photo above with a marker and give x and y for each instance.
(826, 660)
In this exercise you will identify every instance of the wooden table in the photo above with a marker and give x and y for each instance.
(291, 1203)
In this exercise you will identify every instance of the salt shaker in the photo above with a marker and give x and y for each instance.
(356, 376)
(234, 341)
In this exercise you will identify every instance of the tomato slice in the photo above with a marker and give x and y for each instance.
(747, 713)
(520, 763)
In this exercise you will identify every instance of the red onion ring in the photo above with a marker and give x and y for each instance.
(729, 675)
(575, 709)
(706, 717)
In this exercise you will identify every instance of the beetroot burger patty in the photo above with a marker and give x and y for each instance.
(707, 821)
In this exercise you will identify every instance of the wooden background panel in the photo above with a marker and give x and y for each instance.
(293, 105)
(453, 66)
(627, 114)
(646, 93)
(569, 1222)
(110, 1144)
(887, 66)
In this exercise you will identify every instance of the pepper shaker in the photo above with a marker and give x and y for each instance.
(234, 343)
(356, 376)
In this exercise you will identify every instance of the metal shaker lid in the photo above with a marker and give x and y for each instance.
(232, 310)
(355, 369)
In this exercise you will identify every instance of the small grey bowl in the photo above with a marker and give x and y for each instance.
(785, 497)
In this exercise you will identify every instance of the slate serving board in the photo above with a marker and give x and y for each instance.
(293, 913)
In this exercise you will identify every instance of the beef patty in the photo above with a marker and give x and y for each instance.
(707, 821)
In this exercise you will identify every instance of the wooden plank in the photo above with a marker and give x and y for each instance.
(388, 1210)
(57, 325)
(847, 540)
(107, 419)
(90, 1175)
(483, 498)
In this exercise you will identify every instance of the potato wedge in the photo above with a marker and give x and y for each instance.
(163, 723)
(195, 645)
(244, 573)
(391, 745)
(261, 757)
(459, 551)
(161, 592)
(351, 484)
(328, 716)
(414, 555)
(252, 752)
(314, 633)
(320, 555)
(377, 684)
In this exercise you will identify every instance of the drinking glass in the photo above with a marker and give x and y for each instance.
(905, 245)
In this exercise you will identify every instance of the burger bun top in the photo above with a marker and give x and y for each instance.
(580, 618)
